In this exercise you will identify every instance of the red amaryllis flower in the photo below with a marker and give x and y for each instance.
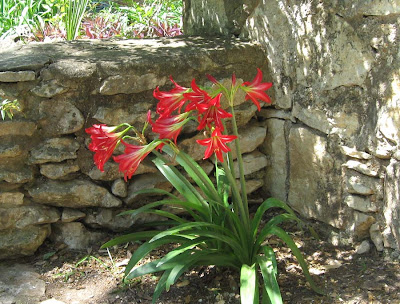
(197, 96)
(255, 90)
(132, 157)
(212, 112)
(216, 144)
(171, 100)
(169, 126)
(104, 141)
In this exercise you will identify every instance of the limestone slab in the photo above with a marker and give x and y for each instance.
(17, 76)
(73, 194)
(54, 150)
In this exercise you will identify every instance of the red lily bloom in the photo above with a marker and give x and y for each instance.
(255, 90)
(216, 144)
(168, 126)
(171, 100)
(212, 113)
(132, 157)
(197, 96)
(104, 141)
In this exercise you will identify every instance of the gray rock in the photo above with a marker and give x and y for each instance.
(17, 76)
(60, 117)
(24, 62)
(144, 182)
(252, 162)
(70, 215)
(352, 152)
(312, 172)
(113, 116)
(370, 169)
(361, 224)
(128, 84)
(17, 128)
(23, 216)
(16, 174)
(11, 199)
(22, 242)
(357, 183)
(274, 113)
(73, 194)
(58, 171)
(49, 89)
(119, 188)
(391, 209)
(10, 150)
(111, 171)
(75, 235)
(276, 172)
(360, 203)
(251, 185)
(54, 150)
(364, 247)
(376, 236)
(107, 218)
(20, 283)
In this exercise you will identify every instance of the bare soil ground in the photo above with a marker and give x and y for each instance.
(95, 278)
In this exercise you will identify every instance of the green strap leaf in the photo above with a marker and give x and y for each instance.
(276, 220)
(147, 247)
(136, 236)
(267, 204)
(180, 183)
(248, 285)
(292, 245)
(195, 172)
(269, 272)
(161, 286)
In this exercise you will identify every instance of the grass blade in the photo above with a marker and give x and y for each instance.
(248, 285)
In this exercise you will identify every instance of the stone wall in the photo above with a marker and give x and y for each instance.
(49, 186)
(334, 130)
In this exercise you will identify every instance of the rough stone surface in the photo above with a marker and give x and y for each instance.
(111, 171)
(20, 283)
(360, 203)
(376, 236)
(59, 171)
(74, 235)
(60, 117)
(252, 162)
(127, 84)
(11, 199)
(367, 169)
(392, 197)
(21, 242)
(135, 114)
(362, 224)
(73, 194)
(363, 185)
(70, 215)
(275, 148)
(23, 216)
(10, 150)
(119, 188)
(17, 76)
(351, 152)
(49, 89)
(54, 150)
(16, 174)
(311, 177)
(17, 128)
(142, 182)
(364, 247)
(109, 219)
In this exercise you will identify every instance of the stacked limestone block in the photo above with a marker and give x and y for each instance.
(334, 132)
(48, 181)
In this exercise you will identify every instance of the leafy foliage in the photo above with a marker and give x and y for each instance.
(8, 108)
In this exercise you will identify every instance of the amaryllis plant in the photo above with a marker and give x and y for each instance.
(217, 228)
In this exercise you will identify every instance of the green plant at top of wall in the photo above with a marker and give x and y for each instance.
(8, 108)
(220, 231)
(73, 17)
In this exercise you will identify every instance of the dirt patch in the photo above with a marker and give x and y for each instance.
(96, 277)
